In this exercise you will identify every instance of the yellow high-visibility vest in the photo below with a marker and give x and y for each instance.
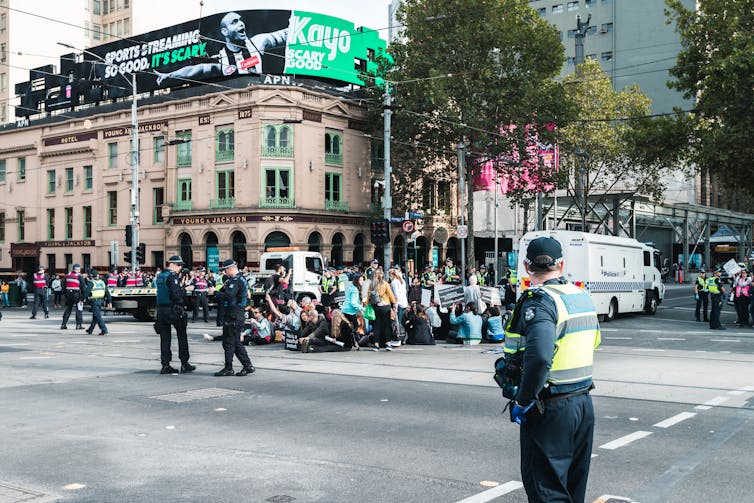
(98, 289)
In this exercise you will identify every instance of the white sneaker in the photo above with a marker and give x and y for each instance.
(208, 337)
(394, 344)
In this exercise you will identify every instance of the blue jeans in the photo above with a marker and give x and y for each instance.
(4, 299)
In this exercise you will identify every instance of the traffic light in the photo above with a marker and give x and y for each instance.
(141, 250)
(381, 231)
(129, 230)
(127, 256)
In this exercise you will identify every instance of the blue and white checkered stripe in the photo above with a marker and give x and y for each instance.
(614, 286)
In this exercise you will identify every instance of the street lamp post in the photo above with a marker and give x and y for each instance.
(134, 155)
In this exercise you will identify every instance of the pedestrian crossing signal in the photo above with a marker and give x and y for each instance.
(380, 231)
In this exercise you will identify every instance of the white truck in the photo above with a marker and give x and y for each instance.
(620, 274)
(307, 268)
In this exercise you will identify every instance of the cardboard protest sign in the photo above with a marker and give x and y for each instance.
(449, 294)
(490, 295)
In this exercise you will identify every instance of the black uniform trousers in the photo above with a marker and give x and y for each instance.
(167, 317)
(200, 299)
(556, 449)
(40, 298)
(233, 325)
(97, 316)
(72, 298)
(703, 303)
(717, 306)
(742, 309)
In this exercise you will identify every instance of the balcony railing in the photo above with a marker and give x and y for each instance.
(336, 205)
(224, 155)
(277, 202)
(222, 203)
(184, 160)
(277, 151)
(334, 159)
(183, 206)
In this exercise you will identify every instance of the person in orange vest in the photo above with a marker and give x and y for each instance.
(40, 292)
(112, 279)
(74, 293)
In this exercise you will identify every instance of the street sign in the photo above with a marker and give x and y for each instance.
(462, 231)
(441, 235)
(408, 226)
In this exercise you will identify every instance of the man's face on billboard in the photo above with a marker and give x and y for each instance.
(233, 28)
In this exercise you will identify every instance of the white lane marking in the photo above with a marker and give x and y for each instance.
(35, 357)
(619, 338)
(747, 388)
(717, 400)
(675, 419)
(702, 407)
(736, 392)
(725, 340)
(671, 339)
(25, 335)
(625, 440)
(648, 350)
(495, 492)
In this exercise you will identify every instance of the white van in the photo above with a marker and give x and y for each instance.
(620, 274)
(307, 268)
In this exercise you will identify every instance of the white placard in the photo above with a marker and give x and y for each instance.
(732, 267)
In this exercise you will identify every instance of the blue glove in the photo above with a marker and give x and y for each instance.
(518, 413)
(696, 296)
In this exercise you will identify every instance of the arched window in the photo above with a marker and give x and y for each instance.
(276, 239)
(271, 137)
(398, 250)
(420, 249)
(221, 142)
(336, 144)
(284, 136)
(336, 255)
(452, 250)
(239, 248)
(315, 242)
(358, 250)
(186, 252)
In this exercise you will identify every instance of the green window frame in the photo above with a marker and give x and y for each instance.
(224, 144)
(158, 197)
(159, 149)
(184, 148)
(112, 208)
(333, 186)
(69, 179)
(183, 200)
(69, 223)
(87, 222)
(333, 148)
(112, 155)
(2, 170)
(50, 224)
(225, 190)
(22, 169)
(277, 188)
(277, 140)
(88, 178)
(21, 217)
(50, 181)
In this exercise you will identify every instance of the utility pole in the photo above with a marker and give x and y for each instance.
(387, 201)
(581, 31)
(134, 177)
(461, 203)
(497, 185)
(582, 181)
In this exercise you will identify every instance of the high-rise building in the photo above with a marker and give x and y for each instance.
(630, 39)
(5, 93)
(108, 20)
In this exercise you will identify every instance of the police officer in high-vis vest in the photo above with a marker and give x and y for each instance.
(451, 273)
(170, 314)
(701, 292)
(97, 294)
(554, 330)
(40, 292)
(328, 287)
(234, 298)
(74, 293)
(716, 294)
(429, 278)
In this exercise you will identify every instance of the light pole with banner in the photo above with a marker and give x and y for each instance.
(134, 154)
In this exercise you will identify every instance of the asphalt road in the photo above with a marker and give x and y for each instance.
(88, 418)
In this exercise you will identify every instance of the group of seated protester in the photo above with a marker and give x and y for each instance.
(312, 327)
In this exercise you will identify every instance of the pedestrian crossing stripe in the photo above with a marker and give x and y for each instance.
(614, 286)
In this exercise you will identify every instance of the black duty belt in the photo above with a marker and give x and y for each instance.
(547, 397)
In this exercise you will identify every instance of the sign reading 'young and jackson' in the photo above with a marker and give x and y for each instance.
(216, 47)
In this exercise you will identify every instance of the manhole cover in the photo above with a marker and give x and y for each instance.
(197, 394)
(282, 498)
(13, 494)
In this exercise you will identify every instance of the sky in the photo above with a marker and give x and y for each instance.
(65, 23)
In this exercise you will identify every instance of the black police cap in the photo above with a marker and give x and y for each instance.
(544, 247)
(176, 259)
(227, 263)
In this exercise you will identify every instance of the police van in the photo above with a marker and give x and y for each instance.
(620, 274)
(307, 269)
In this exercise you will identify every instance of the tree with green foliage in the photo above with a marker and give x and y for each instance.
(716, 68)
(463, 70)
(612, 142)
